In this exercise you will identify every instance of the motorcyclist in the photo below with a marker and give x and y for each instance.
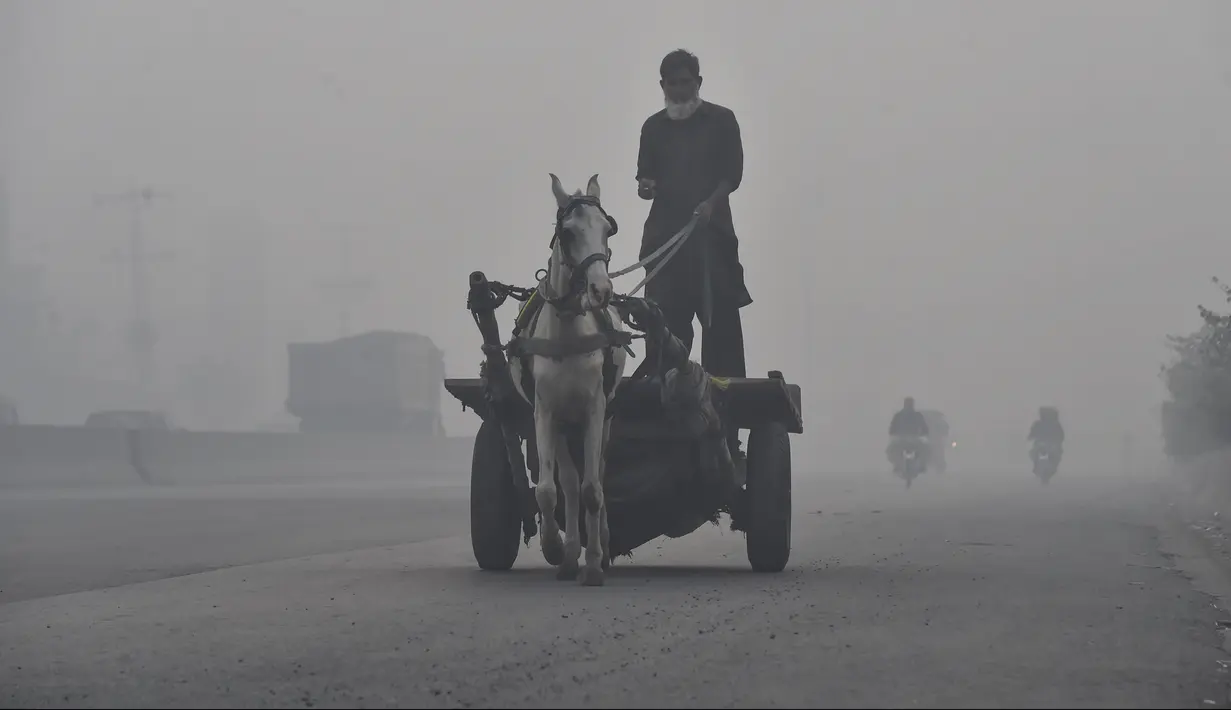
(906, 429)
(1046, 431)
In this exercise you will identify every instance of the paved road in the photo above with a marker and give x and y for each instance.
(960, 592)
(62, 541)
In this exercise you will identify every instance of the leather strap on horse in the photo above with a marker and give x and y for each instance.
(560, 349)
(523, 348)
(569, 302)
(574, 204)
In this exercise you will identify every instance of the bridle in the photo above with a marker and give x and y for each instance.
(569, 302)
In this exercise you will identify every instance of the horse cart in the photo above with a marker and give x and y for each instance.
(668, 467)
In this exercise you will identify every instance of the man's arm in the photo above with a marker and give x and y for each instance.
(647, 168)
(731, 158)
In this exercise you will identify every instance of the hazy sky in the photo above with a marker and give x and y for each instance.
(989, 206)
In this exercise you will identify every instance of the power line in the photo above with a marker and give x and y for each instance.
(142, 335)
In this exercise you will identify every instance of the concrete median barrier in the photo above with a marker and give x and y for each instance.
(50, 456)
(45, 456)
(188, 457)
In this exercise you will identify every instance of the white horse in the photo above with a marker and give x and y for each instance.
(573, 347)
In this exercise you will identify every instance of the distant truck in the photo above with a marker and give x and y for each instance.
(380, 381)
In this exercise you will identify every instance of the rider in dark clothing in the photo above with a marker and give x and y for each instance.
(908, 421)
(1047, 427)
(905, 431)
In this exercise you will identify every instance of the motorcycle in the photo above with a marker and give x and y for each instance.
(911, 460)
(1046, 458)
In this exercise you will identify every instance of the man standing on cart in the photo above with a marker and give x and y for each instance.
(690, 160)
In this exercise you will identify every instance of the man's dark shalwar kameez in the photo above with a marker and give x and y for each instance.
(687, 159)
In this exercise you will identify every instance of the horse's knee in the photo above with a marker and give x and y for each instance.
(546, 497)
(591, 497)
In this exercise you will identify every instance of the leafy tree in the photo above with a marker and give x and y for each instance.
(1197, 419)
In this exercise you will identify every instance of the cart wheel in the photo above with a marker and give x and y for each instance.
(769, 498)
(495, 523)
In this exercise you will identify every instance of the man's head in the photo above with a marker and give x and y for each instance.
(908, 404)
(680, 79)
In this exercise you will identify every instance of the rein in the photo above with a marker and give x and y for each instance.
(568, 303)
(562, 301)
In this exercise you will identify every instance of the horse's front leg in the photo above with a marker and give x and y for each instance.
(546, 438)
(592, 494)
(602, 479)
(570, 483)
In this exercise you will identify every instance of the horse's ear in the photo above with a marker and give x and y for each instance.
(592, 188)
(562, 197)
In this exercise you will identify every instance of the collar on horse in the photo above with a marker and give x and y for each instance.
(568, 304)
(606, 338)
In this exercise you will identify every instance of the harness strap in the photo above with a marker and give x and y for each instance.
(524, 349)
(560, 349)
(609, 377)
(527, 312)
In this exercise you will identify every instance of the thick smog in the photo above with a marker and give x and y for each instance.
(554, 355)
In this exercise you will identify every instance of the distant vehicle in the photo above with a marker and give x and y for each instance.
(129, 419)
(380, 381)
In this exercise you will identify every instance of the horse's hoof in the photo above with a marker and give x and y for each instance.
(567, 572)
(606, 563)
(592, 577)
(553, 551)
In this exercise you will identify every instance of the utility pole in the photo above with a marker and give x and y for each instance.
(4, 233)
(7, 296)
(346, 289)
(142, 336)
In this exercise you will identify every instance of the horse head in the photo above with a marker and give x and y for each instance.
(579, 247)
